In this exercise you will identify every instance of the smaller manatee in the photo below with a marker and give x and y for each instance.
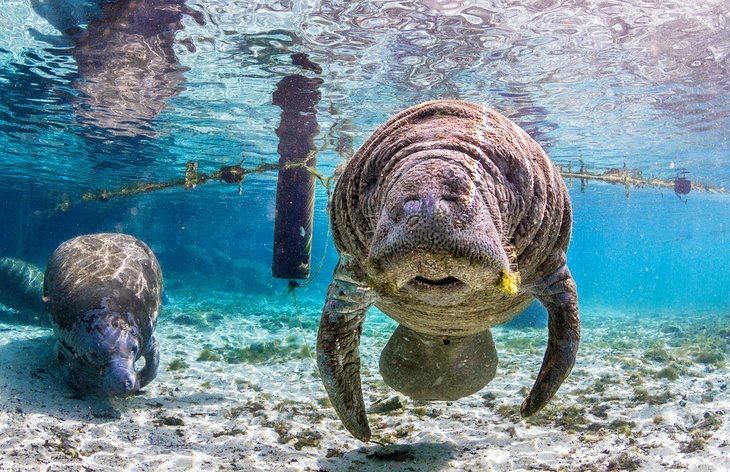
(103, 292)
(21, 288)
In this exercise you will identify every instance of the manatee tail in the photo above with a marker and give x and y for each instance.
(438, 367)
(560, 298)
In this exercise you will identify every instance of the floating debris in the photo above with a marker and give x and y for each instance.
(682, 185)
(234, 174)
(634, 178)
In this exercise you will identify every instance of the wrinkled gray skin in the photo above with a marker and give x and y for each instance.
(21, 288)
(103, 293)
(433, 217)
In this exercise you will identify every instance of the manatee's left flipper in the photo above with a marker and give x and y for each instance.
(338, 342)
(151, 362)
(558, 294)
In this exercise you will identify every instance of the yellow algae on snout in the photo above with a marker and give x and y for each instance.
(509, 282)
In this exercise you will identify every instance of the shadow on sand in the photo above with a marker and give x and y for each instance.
(30, 381)
(393, 458)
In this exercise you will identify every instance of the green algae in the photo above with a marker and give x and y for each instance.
(665, 396)
(603, 381)
(642, 395)
(669, 373)
(207, 355)
(195, 320)
(523, 343)
(177, 364)
(507, 409)
(624, 462)
(308, 438)
(693, 445)
(405, 431)
(324, 402)
(622, 426)
(635, 380)
(385, 287)
(571, 418)
(657, 353)
(710, 357)
(269, 351)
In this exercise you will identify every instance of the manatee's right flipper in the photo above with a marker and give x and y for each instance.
(151, 362)
(338, 342)
(427, 367)
(558, 294)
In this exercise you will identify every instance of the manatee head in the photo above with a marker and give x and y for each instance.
(99, 353)
(438, 239)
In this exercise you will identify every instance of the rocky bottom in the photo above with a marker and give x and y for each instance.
(237, 390)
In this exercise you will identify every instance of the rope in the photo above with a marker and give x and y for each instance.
(292, 290)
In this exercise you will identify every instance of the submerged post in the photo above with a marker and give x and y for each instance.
(298, 97)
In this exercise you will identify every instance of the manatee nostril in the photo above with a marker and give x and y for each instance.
(427, 205)
(412, 206)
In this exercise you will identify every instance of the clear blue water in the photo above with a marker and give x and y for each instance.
(638, 83)
(624, 83)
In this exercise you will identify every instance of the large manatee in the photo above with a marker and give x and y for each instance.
(103, 293)
(451, 220)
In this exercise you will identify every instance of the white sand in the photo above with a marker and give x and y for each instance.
(270, 415)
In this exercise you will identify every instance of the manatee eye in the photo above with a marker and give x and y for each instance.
(134, 350)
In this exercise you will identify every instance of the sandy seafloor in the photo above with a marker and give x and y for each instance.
(649, 392)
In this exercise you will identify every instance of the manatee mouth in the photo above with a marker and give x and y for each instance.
(449, 282)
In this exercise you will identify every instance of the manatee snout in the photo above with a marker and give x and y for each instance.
(117, 351)
(119, 378)
(436, 231)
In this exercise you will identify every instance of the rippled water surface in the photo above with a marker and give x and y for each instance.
(90, 99)
(100, 96)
